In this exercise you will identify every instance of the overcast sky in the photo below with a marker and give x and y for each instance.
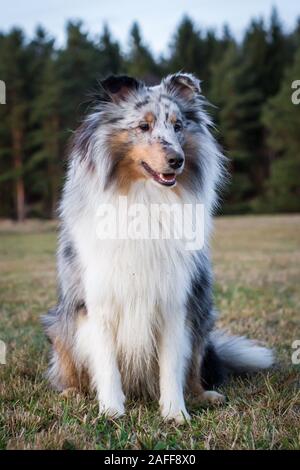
(158, 18)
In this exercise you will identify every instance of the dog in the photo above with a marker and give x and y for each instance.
(135, 317)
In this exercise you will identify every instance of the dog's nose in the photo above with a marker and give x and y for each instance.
(175, 161)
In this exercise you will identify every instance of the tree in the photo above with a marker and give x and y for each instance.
(140, 62)
(282, 118)
(111, 58)
(79, 66)
(185, 50)
(13, 71)
(241, 116)
(47, 139)
(224, 95)
(279, 54)
(193, 51)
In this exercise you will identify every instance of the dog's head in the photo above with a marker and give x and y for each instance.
(149, 133)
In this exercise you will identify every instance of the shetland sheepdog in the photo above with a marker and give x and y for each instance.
(135, 316)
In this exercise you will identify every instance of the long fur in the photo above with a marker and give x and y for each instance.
(137, 316)
(240, 354)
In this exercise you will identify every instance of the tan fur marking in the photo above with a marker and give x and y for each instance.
(67, 371)
(152, 154)
(70, 377)
(196, 392)
(194, 387)
(149, 117)
(173, 118)
(129, 167)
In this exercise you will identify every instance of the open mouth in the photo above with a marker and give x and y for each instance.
(166, 179)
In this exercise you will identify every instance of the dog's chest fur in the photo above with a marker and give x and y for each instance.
(139, 283)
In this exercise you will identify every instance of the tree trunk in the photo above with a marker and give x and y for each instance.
(53, 169)
(17, 139)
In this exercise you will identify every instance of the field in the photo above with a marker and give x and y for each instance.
(257, 266)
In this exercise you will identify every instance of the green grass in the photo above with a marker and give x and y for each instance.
(257, 265)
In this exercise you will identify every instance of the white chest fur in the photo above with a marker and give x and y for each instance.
(137, 284)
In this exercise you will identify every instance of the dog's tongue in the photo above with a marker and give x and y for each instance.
(167, 177)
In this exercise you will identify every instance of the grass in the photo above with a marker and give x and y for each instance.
(257, 265)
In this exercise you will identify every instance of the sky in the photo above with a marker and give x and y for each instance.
(158, 18)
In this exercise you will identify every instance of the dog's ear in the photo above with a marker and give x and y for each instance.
(117, 88)
(184, 85)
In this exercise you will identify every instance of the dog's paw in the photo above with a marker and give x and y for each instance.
(177, 414)
(181, 417)
(213, 398)
(112, 411)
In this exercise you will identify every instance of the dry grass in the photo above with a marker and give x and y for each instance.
(257, 264)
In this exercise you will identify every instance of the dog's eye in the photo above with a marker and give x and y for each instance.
(178, 126)
(144, 126)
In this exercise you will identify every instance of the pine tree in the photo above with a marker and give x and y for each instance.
(227, 113)
(282, 118)
(46, 160)
(241, 116)
(186, 51)
(79, 66)
(39, 52)
(140, 62)
(13, 70)
(280, 54)
(111, 58)
(6, 171)
(195, 52)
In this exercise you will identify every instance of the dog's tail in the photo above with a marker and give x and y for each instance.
(227, 355)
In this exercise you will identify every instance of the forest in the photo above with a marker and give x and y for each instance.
(248, 81)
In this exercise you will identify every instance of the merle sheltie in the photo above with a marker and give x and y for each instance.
(135, 316)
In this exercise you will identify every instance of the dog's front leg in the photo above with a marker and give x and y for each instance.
(95, 336)
(173, 356)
